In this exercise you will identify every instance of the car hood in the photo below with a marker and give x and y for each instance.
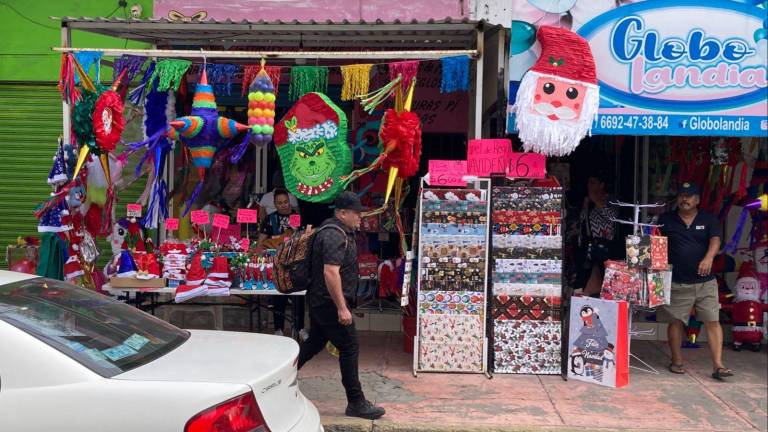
(266, 363)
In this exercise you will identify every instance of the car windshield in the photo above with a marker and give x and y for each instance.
(102, 334)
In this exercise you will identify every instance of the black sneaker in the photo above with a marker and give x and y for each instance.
(364, 409)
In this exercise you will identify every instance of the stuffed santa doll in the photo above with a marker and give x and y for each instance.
(558, 97)
(747, 309)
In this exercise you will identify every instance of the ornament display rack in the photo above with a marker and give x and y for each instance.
(452, 276)
(527, 303)
(636, 230)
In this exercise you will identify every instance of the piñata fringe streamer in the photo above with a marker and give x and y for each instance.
(132, 66)
(372, 100)
(406, 69)
(220, 76)
(455, 74)
(67, 76)
(250, 72)
(136, 96)
(168, 74)
(356, 79)
(307, 79)
(87, 59)
(733, 245)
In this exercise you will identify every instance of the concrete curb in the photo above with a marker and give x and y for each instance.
(353, 425)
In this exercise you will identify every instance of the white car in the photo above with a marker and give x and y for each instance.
(74, 360)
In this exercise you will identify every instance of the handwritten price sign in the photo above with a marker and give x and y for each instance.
(172, 224)
(200, 217)
(527, 165)
(221, 221)
(447, 172)
(133, 210)
(247, 216)
(294, 221)
(488, 156)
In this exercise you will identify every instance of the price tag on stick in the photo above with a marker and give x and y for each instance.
(221, 221)
(294, 221)
(172, 224)
(133, 210)
(200, 217)
(247, 216)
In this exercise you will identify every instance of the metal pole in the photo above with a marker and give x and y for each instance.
(479, 85)
(644, 168)
(66, 40)
(344, 55)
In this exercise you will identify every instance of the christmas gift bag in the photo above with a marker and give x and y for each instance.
(621, 283)
(658, 284)
(598, 341)
(638, 251)
(659, 253)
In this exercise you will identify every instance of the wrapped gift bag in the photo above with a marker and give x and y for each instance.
(598, 341)
(659, 253)
(638, 251)
(658, 285)
(622, 283)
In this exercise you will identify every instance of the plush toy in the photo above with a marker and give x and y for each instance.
(747, 309)
(311, 140)
(558, 97)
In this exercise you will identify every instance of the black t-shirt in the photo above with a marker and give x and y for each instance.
(330, 246)
(276, 224)
(689, 244)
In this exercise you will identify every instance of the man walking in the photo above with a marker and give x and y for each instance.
(694, 240)
(334, 266)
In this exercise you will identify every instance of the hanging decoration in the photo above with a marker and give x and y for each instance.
(88, 59)
(455, 74)
(58, 174)
(306, 79)
(261, 113)
(406, 70)
(168, 74)
(220, 76)
(108, 121)
(250, 72)
(136, 96)
(311, 141)
(355, 80)
(69, 91)
(131, 65)
(558, 97)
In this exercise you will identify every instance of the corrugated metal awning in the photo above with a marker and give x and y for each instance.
(289, 35)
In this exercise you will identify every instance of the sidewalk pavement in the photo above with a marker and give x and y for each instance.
(469, 402)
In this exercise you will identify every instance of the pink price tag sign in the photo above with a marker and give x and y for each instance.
(488, 156)
(172, 224)
(245, 244)
(247, 216)
(447, 172)
(200, 217)
(294, 221)
(221, 221)
(133, 210)
(527, 165)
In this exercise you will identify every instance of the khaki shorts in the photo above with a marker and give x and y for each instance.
(685, 296)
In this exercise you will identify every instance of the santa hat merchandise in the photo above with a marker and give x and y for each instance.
(72, 267)
(58, 175)
(127, 266)
(174, 260)
(558, 97)
(218, 281)
(55, 219)
(148, 266)
(194, 286)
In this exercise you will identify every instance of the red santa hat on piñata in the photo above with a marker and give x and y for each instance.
(558, 97)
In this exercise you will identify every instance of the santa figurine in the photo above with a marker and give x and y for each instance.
(747, 309)
(558, 97)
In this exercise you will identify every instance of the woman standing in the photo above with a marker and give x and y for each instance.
(597, 235)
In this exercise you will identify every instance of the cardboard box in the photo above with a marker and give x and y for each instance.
(118, 282)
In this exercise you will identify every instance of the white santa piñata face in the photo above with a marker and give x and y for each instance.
(553, 114)
(747, 289)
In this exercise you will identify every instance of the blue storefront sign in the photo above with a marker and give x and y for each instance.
(679, 67)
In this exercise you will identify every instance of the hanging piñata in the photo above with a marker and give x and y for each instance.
(558, 96)
(311, 141)
(261, 113)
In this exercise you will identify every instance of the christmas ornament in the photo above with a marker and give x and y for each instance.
(558, 97)
(747, 309)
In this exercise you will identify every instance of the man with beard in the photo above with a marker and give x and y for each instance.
(694, 241)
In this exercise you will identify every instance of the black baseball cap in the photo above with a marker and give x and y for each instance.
(348, 201)
(688, 189)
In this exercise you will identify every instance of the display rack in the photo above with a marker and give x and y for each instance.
(451, 280)
(527, 288)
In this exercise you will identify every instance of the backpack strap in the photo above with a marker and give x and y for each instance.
(338, 229)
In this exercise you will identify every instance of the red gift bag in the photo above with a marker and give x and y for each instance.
(659, 252)
(598, 341)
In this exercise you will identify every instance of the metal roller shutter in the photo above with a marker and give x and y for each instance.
(30, 124)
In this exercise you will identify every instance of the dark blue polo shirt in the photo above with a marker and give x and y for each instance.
(689, 244)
